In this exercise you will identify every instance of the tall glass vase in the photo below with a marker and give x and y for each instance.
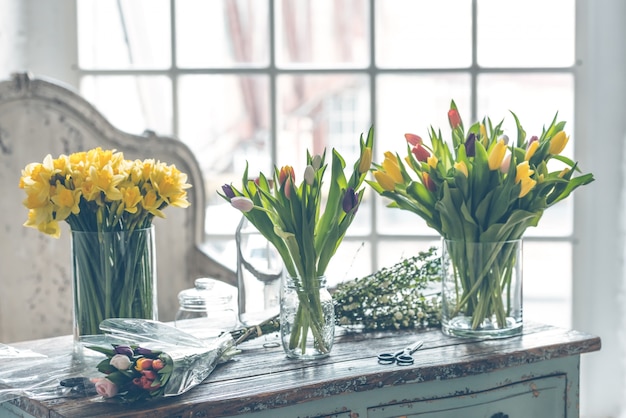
(307, 318)
(482, 288)
(114, 276)
(259, 272)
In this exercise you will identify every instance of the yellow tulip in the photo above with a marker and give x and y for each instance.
(523, 171)
(564, 172)
(460, 166)
(558, 142)
(496, 155)
(530, 151)
(523, 175)
(385, 181)
(390, 166)
(366, 160)
(432, 161)
(527, 186)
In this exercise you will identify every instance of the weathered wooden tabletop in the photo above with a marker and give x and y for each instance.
(263, 378)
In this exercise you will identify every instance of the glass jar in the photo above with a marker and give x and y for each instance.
(259, 270)
(207, 309)
(307, 318)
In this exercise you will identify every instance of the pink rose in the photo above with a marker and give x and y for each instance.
(106, 388)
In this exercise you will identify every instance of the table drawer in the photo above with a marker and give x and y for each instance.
(544, 397)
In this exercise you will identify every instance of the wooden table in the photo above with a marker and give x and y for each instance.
(534, 375)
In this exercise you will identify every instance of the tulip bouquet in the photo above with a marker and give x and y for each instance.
(481, 187)
(305, 235)
(109, 203)
(165, 362)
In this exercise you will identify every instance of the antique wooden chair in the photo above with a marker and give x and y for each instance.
(40, 117)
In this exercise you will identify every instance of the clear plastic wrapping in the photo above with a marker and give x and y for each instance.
(185, 362)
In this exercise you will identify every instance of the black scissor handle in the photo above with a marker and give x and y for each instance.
(404, 360)
(386, 358)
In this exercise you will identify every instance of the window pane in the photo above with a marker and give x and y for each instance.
(548, 284)
(352, 260)
(535, 99)
(392, 252)
(322, 32)
(424, 34)
(223, 33)
(225, 121)
(412, 104)
(318, 112)
(132, 103)
(526, 33)
(123, 34)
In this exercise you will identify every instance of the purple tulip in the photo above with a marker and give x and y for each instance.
(124, 349)
(350, 200)
(470, 145)
(228, 191)
(140, 351)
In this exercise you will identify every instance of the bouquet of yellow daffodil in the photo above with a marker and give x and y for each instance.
(305, 235)
(480, 188)
(109, 203)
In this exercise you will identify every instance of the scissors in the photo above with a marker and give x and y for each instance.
(402, 357)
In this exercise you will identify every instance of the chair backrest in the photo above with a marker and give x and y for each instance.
(40, 117)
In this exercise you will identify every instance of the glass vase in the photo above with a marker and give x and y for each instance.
(259, 270)
(307, 318)
(114, 276)
(482, 288)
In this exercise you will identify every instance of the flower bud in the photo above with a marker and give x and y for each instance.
(124, 349)
(106, 388)
(460, 166)
(413, 139)
(365, 161)
(385, 180)
(496, 155)
(454, 118)
(120, 362)
(309, 174)
(244, 204)
(470, 145)
(558, 142)
(350, 200)
(421, 153)
(228, 191)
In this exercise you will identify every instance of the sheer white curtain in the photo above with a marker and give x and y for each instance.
(599, 213)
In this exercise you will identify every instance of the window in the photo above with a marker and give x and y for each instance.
(263, 80)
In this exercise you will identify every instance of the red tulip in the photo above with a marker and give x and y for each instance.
(454, 118)
(420, 153)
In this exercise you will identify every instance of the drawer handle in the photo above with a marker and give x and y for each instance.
(500, 415)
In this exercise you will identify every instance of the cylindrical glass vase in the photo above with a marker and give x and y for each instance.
(482, 288)
(259, 272)
(307, 318)
(114, 276)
